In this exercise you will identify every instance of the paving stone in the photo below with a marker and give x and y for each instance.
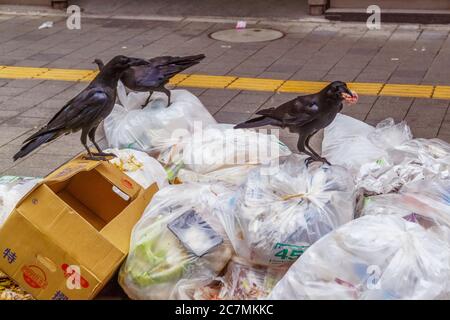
(240, 107)
(231, 117)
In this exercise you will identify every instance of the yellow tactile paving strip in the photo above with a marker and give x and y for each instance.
(239, 83)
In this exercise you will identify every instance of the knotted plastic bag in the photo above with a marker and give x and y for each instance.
(177, 245)
(373, 257)
(285, 207)
(156, 127)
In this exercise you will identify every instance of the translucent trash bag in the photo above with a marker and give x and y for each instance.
(246, 281)
(374, 257)
(414, 160)
(155, 127)
(285, 207)
(352, 143)
(12, 189)
(426, 202)
(139, 166)
(177, 245)
(225, 154)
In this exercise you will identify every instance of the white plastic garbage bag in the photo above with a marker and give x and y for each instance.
(139, 166)
(426, 202)
(277, 214)
(12, 189)
(222, 153)
(384, 158)
(155, 127)
(177, 245)
(352, 143)
(373, 257)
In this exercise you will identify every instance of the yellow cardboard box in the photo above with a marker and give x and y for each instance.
(69, 234)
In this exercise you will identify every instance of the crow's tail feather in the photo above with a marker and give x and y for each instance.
(35, 143)
(255, 122)
(187, 60)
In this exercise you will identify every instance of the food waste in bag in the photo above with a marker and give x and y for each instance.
(285, 207)
(178, 244)
(139, 166)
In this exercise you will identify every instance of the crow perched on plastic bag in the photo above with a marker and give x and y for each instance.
(306, 115)
(155, 75)
(85, 111)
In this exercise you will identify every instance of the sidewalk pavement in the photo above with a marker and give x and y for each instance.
(409, 54)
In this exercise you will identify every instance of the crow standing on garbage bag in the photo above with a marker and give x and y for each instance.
(85, 111)
(155, 75)
(306, 115)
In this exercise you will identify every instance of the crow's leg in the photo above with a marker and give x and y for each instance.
(301, 146)
(167, 92)
(84, 134)
(100, 153)
(148, 99)
(314, 152)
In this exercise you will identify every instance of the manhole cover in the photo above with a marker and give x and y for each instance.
(247, 35)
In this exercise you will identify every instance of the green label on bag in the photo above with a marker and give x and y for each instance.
(284, 252)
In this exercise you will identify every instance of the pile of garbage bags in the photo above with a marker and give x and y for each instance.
(239, 216)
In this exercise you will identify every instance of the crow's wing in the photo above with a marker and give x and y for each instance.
(155, 76)
(295, 112)
(78, 111)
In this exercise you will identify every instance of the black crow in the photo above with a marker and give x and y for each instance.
(155, 75)
(306, 115)
(85, 111)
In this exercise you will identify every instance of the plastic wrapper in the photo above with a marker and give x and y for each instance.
(12, 189)
(139, 166)
(246, 281)
(286, 206)
(384, 158)
(178, 244)
(155, 127)
(221, 153)
(9, 290)
(426, 202)
(373, 257)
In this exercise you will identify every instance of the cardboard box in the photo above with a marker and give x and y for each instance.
(68, 235)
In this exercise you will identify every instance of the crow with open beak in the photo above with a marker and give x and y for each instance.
(306, 115)
(85, 111)
(156, 74)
